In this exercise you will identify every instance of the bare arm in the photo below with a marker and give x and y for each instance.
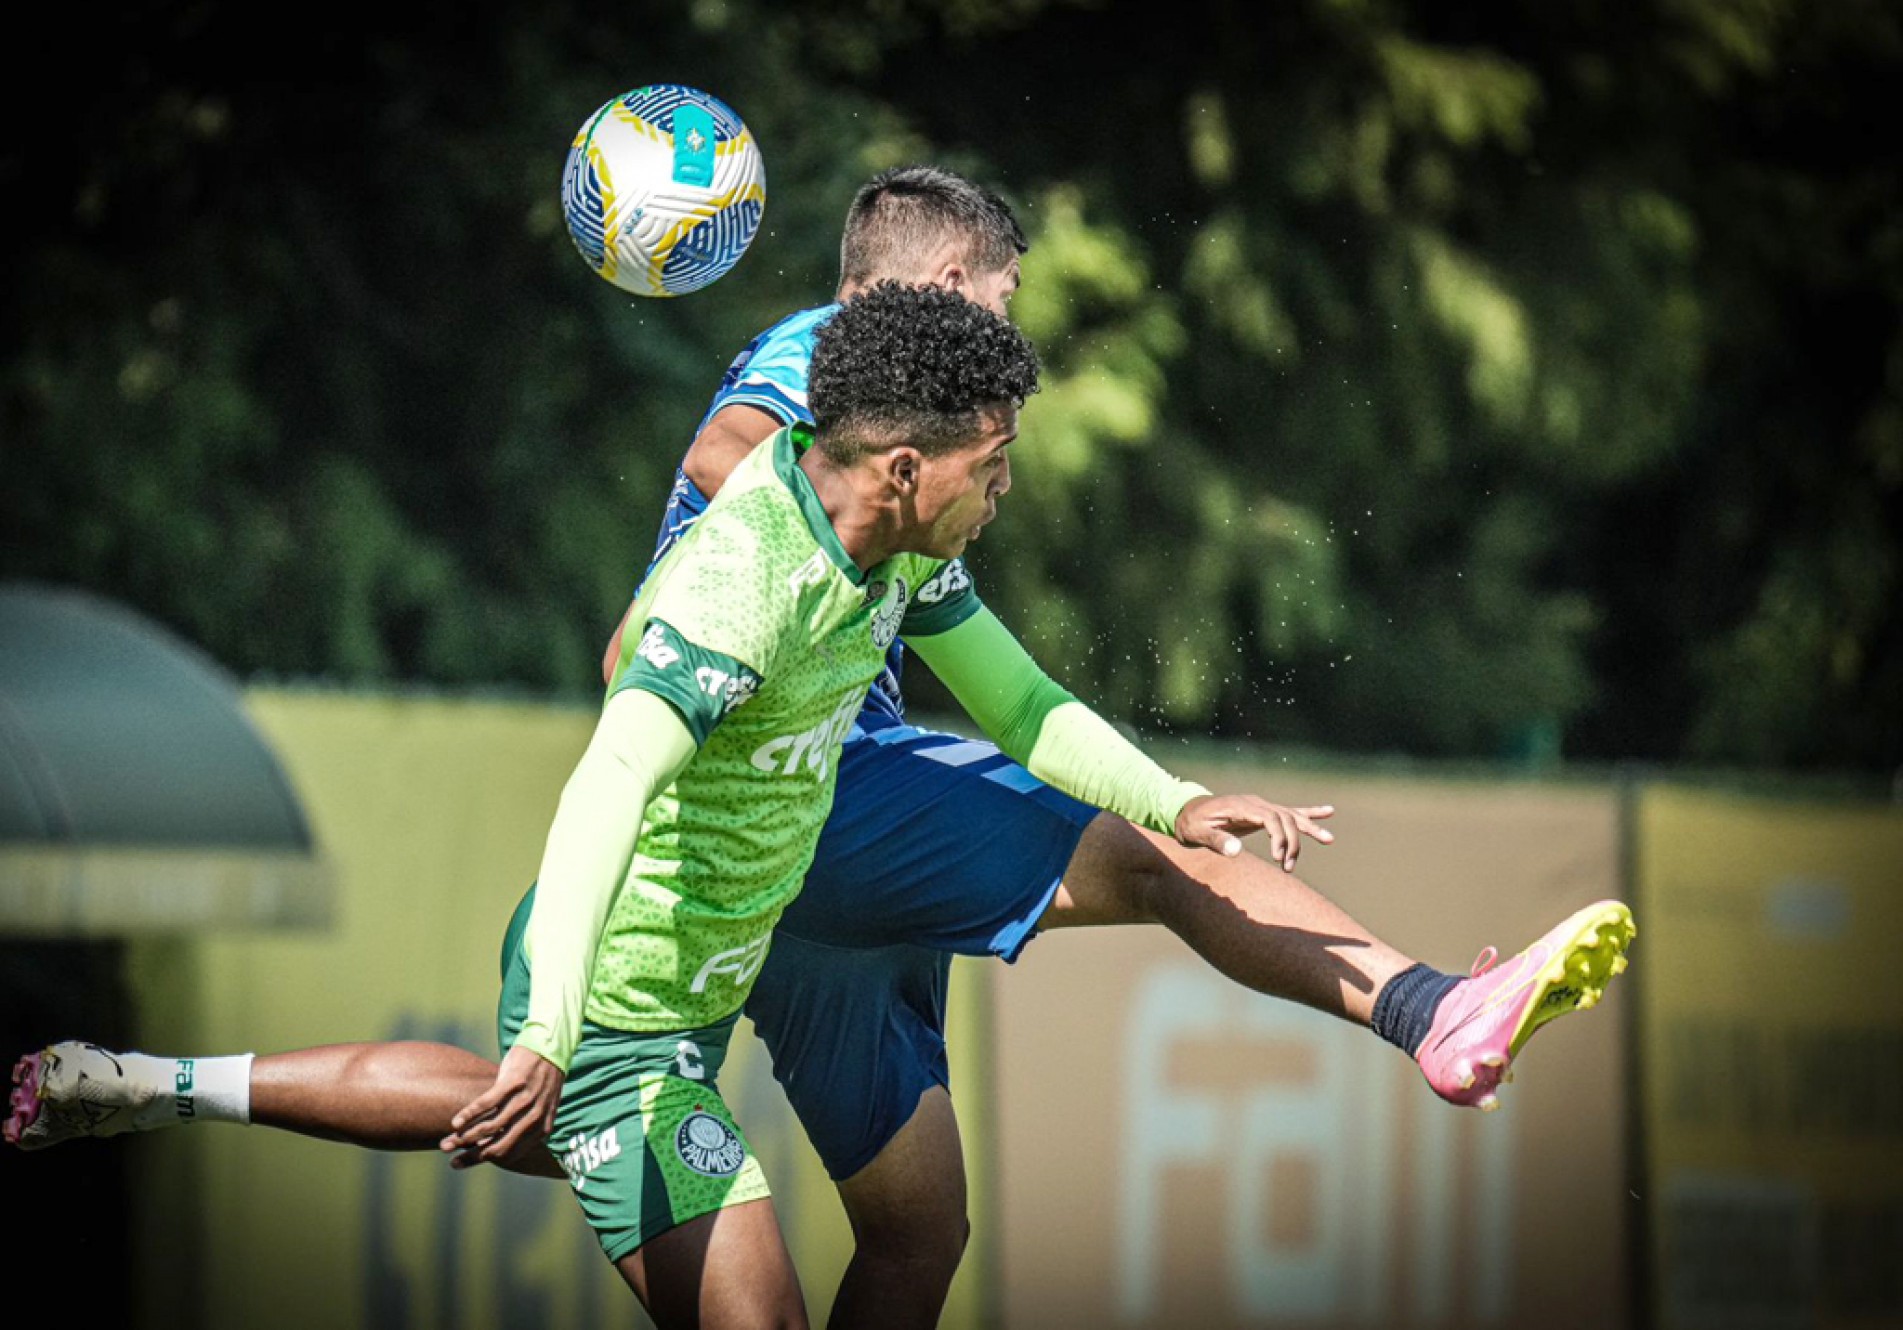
(733, 432)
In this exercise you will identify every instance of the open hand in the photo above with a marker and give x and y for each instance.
(517, 1111)
(1219, 821)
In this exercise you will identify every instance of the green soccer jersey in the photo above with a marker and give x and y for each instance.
(764, 636)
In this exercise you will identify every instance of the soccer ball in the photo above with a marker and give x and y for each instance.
(663, 190)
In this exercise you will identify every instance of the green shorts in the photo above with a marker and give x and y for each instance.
(641, 1130)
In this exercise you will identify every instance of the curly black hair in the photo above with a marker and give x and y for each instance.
(912, 365)
(900, 217)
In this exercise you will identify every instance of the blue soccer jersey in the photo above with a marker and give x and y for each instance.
(770, 376)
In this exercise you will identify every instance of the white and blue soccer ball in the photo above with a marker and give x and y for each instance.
(663, 190)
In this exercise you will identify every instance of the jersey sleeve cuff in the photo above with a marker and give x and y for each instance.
(702, 685)
(541, 1041)
(946, 600)
(765, 397)
(1185, 791)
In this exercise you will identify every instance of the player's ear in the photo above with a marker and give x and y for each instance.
(954, 278)
(902, 469)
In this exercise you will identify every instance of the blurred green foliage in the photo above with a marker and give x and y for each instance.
(1505, 380)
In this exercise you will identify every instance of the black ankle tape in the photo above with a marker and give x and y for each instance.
(1404, 1010)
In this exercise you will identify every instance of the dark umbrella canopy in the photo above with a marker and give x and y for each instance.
(134, 792)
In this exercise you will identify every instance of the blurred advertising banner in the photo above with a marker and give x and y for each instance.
(432, 814)
(1772, 1042)
(1148, 1145)
(1171, 1150)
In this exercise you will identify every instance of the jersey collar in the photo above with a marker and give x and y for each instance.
(788, 444)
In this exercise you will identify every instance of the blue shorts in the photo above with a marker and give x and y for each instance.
(936, 844)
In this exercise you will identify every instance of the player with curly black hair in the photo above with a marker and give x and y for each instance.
(690, 820)
(851, 998)
(647, 934)
(865, 395)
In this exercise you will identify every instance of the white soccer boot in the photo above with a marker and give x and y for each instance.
(76, 1089)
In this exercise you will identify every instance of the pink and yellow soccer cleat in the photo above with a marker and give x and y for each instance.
(1481, 1025)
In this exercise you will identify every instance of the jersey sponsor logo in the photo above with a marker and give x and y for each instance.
(730, 689)
(587, 1153)
(709, 1146)
(890, 614)
(949, 580)
(738, 963)
(655, 650)
(810, 573)
(809, 750)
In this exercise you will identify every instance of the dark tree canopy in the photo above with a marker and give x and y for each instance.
(1458, 381)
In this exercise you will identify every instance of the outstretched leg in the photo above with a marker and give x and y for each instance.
(1266, 929)
(1260, 926)
(396, 1096)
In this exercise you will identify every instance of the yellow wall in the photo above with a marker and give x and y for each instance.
(1771, 1022)
(1772, 1043)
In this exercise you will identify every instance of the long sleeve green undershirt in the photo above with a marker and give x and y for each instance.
(641, 745)
(1041, 726)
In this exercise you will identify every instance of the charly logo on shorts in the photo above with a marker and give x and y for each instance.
(709, 1146)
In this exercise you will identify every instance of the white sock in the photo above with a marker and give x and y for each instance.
(213, 1089)
(181, 1090)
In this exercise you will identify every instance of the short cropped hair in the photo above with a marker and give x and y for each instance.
(912, 365)
(901, 217)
